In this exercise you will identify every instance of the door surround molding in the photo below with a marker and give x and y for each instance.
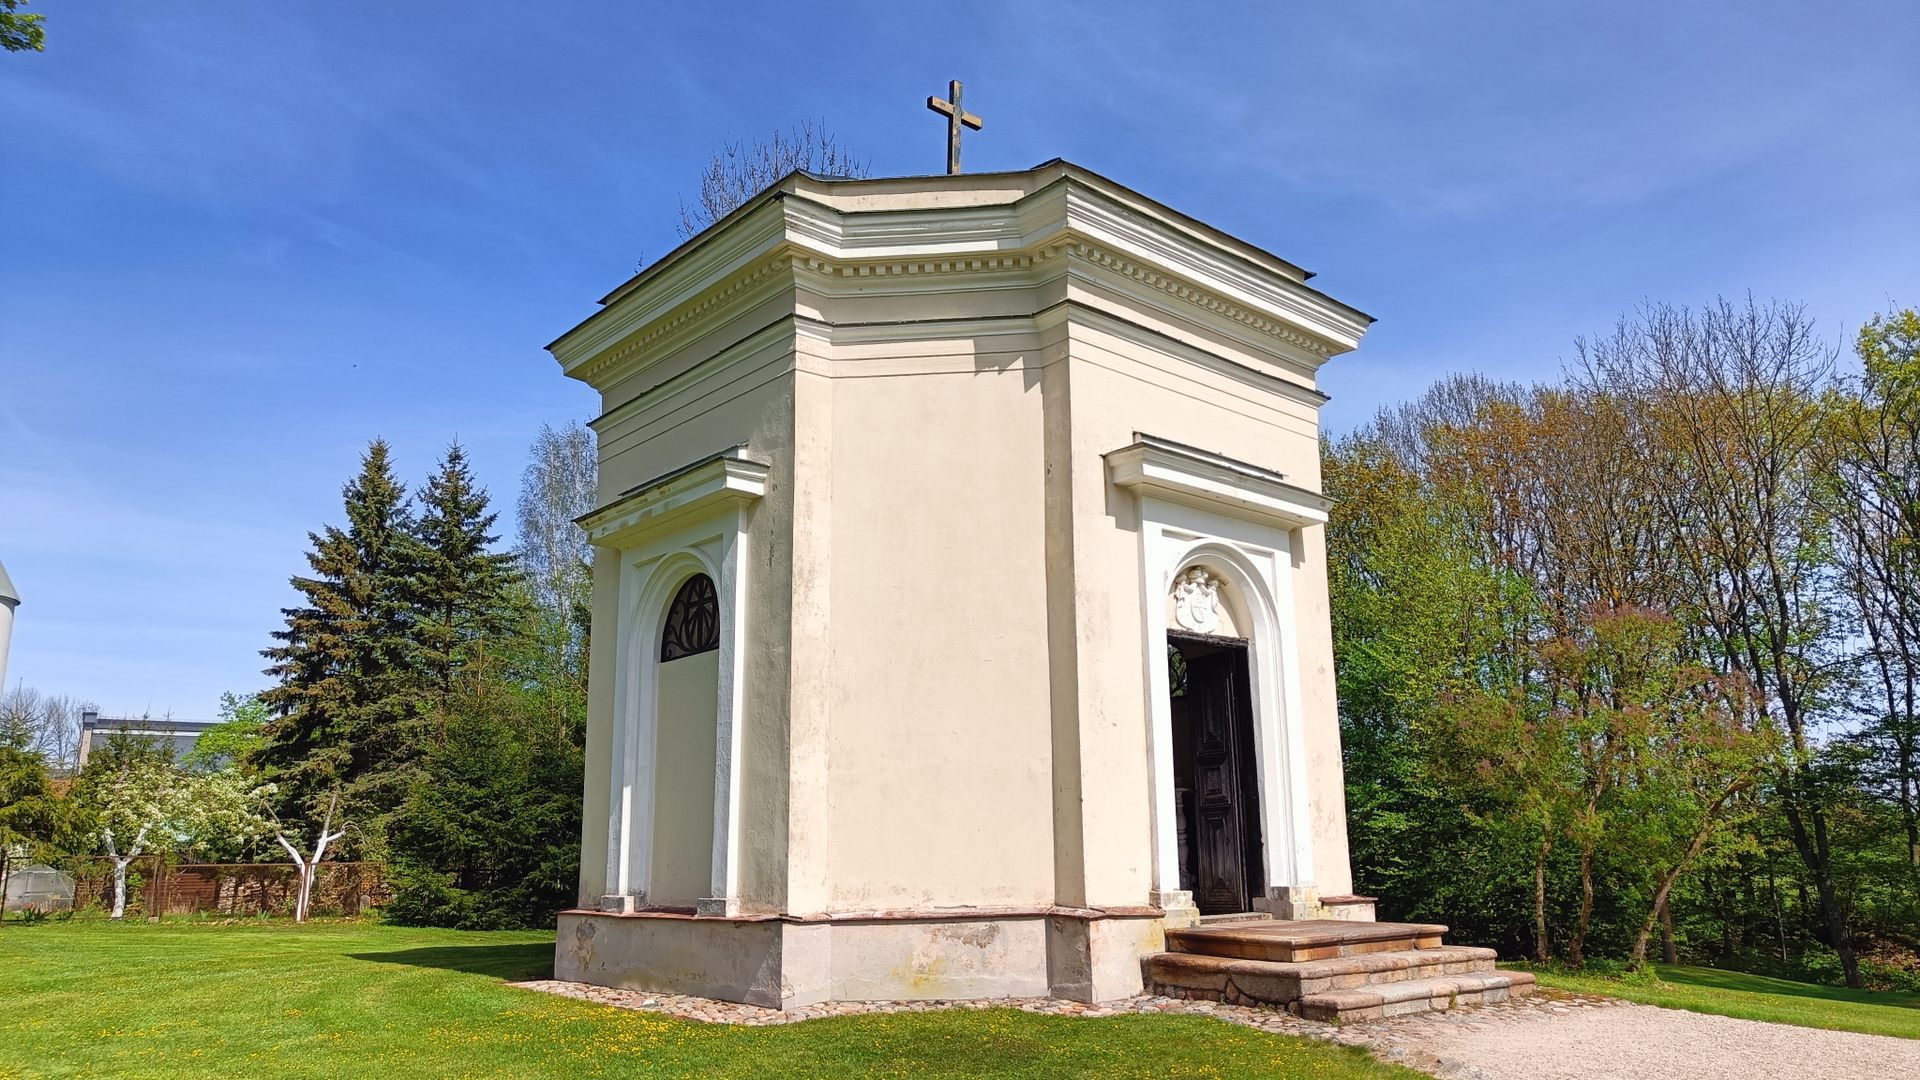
(1242, 524)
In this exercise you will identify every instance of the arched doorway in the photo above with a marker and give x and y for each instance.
(686, 688)
(1215, 750)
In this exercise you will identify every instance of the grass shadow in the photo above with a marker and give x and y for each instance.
(512, 963)
(1745, 982)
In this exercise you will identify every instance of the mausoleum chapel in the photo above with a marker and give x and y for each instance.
(960, 597)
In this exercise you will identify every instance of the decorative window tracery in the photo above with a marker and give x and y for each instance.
(693, 622)
(1176, 673)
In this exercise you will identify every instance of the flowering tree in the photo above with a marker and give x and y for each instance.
(140, 801)
(136, 804)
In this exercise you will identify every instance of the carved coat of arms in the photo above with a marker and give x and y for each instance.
(1196, 601)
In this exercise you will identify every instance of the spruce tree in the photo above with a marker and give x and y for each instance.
(489, 834)
(462, 592)
(348, 686)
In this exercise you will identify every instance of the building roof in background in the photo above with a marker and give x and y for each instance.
(180, 734)
(144, 725)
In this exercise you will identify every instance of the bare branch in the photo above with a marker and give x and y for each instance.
(740, 170)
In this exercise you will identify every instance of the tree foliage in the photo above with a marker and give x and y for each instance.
(21, 31)
(1638, 643)
(458, 589)
(32, 817)
(47, 724)
(557, 487)
(431, 694)
(133, 799)
(235, 739)
(489, 836)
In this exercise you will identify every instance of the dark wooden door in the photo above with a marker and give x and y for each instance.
(1224, 833)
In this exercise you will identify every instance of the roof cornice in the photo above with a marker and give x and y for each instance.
(1075, 218)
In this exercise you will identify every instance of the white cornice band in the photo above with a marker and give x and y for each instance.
(1209, 481)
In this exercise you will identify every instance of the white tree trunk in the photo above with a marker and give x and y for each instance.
(120, 867)
(305, 871)
(309, 868)
(303, 906)
(120, 885)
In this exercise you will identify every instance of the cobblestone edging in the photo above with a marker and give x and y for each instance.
(1398, 1039)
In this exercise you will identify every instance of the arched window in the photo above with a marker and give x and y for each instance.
(693, 622)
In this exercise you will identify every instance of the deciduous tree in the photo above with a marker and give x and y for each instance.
(136, 800)
(1729, 424)
(235, 739)
(740, 170)
(49, 724)
(21, 31)
(1875, 507)
(306, 862)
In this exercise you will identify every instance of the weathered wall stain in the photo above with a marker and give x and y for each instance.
(978, 935)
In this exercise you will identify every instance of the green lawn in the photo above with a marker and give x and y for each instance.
(1757, 997)
(345, 1000)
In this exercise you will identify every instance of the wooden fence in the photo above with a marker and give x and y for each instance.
(240, 889)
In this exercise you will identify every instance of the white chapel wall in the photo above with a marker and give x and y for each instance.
(596, 791)
(1325, 770)
(940, 722)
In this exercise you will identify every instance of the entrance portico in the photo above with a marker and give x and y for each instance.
(1218, 540)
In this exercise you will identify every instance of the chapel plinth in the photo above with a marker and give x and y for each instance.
(960, 601)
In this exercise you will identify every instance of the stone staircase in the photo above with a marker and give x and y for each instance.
(1329, 969)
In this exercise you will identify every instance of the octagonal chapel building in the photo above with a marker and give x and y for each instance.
(960, 610)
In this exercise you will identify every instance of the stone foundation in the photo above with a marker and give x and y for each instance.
(784, 962)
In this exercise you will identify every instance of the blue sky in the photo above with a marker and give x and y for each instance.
(243, 239)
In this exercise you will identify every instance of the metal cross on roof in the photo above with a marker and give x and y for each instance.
(956, 116)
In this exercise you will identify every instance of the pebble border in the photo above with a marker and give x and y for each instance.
(1396, 1039)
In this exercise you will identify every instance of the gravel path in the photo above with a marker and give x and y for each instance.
(1551, 1036)
(1640, 1042)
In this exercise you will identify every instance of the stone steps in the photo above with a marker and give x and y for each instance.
(1271, 982)
(1330, 970)
(1377, 1002)
(1302, 940)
